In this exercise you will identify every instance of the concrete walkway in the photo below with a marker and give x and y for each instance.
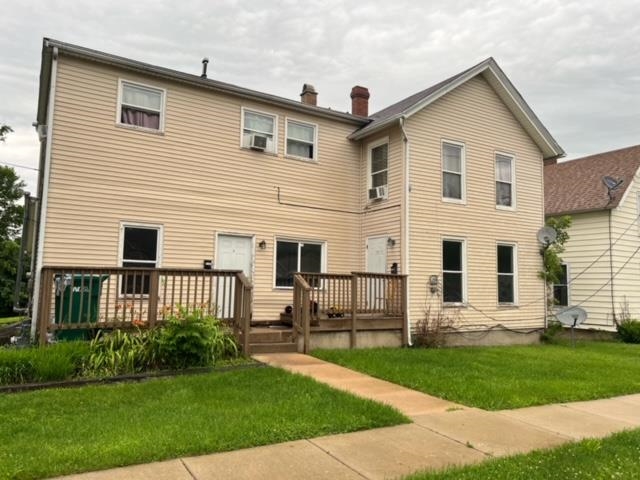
(442, 434)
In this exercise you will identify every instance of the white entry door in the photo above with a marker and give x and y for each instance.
(376, 263)
(234, 252)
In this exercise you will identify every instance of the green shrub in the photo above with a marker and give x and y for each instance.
(55, 362)
(192, 339)
(118, 352)
(629, 331)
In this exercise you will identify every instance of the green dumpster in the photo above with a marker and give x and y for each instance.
(77, 301)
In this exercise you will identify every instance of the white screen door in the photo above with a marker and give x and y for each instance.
(234, 252)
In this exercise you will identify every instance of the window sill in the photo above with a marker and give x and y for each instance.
(508, 306)
(301, 159)
(454, 201)
(454, 305)
(136, 128)
(505, 208)
(260, 152)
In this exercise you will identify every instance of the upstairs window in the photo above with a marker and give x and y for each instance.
(259, 131)
(292, 257)
(561, 289)
(301, 140)
(506, 274)
(141, 106)
(452, 171)
(504, 181)
(378, 170)
(140, 249)
(453, 271)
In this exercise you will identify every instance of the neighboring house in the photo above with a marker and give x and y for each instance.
(601, 279)
(145, 166)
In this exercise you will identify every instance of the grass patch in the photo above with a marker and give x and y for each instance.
(496, 378)
(56, 432)
(10, 320)
(612, 457)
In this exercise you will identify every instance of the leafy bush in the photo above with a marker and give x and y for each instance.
(629, 331)
(60, 361)
(192, 339)
(119, 352)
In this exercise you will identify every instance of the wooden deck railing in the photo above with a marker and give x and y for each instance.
(359, 295)
(119, 297)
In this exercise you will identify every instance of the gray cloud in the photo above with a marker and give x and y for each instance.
(576, 63)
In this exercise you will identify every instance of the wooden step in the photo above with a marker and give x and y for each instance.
(280, 347)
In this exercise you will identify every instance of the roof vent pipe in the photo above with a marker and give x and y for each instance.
(205, 62)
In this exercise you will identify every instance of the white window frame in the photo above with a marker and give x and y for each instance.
(323, 256)
(244, 110)
(163, 108)
(463, 241)
(513, 179)
(514, 253)
(463, 176)
(370, 147)
(159, 248)
(286, 139)
(568, 285)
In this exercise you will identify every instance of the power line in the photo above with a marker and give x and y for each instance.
(15, 165)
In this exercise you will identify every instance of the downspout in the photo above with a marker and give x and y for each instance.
(44, 196)
(406, 190)
(613, 305)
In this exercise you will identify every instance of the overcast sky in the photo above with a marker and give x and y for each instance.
(577, 63)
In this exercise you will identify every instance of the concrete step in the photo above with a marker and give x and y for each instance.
(279, 347)
(270, 335)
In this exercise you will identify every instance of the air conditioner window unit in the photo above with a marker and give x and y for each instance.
(258, 142)
(378, 193)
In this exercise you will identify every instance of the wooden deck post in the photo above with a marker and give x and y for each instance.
(306, 317)
(354, 308)
(405, 312)
(246, 320)
(152, 306)
(42, 322)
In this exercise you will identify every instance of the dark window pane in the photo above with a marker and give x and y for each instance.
(505, 289)
(452, 287)
(379, 158)
(299, 149)
(311, 260)
(561, 295)
(505, 259)
(503, 194)
(379, 179)
(140, 244)
(135, 283)
(140, 118)
(286, 263)
(563, 277)
(451, 185)
(452, 256)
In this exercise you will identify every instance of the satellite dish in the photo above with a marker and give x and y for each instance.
(572, 316)
(611, 183)
(547, 235)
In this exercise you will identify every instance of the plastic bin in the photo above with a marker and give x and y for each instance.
(77, 301)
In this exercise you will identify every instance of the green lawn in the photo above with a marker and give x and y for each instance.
(55, 432)
(496, 378)
(9, 320)
(612, 457)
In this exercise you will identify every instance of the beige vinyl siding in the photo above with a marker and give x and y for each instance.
(588, 240)
(383, 217)
(627, 281)
(474, 115)
(194, 180)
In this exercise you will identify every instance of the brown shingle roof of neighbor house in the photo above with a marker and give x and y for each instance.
(576, 186)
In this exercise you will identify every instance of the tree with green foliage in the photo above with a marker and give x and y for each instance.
(11, 213)
(551, 260)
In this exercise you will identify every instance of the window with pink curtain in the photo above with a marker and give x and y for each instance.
(141, 106)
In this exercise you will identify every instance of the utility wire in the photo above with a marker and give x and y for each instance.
(15, 165)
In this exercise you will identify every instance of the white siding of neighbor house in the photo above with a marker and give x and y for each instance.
(474, 115)
(194, 180)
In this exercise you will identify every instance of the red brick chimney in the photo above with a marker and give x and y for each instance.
(309, 95)
(360, 101)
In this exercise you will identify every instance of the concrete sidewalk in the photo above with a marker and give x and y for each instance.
(442, 434)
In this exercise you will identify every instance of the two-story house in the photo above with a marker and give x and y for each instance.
(142, 166)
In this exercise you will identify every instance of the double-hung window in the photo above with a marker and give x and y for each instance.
(504, 180)
(140, 248)
(301, 140)
(507, 275)
(561, 289)
(257, 128)
(141, 106)
(293, 256)
(379, 167)
(453, 271)
(452, 171)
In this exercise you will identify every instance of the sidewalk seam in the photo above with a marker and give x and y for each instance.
(184, 464)
(338, 460)
(468, 445)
